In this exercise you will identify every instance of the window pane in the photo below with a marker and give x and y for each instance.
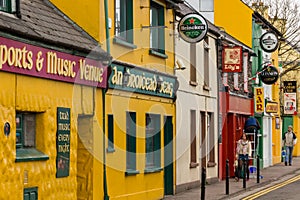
(117, 18)
(120, 19)
(153, 31)
(157, 32)
(131, 140)
(110, 131)
(18, 121)
(206, 5)
(29, 130)
(3, 3)
(152, 140)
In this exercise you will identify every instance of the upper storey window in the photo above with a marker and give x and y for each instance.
(157, 32)
(8, 6)
(124, 20)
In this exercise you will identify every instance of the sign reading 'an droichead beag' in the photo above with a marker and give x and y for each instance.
(22, 58)
(63, 142)
(142, 81)
(192, 28)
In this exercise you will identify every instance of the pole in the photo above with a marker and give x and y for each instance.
(257, 169)
(245, 172)
(106, 197)
(203, 181)
(227, 176)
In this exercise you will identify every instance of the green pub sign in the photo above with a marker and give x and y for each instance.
(63, 142)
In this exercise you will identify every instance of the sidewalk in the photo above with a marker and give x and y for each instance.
(217, 190)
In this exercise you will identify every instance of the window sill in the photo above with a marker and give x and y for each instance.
(152, 170)
(194, 165)
(30, 154)
(156, 53)
(193, 83)
(211, 164)
(130, 172)
(205, 87)
(124, 43)
(110, 150)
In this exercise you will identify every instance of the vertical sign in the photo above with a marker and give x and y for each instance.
(259, 100)
(290, 97)
(63, 142)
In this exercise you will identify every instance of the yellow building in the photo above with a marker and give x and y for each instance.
(139, 102)
(50, 82)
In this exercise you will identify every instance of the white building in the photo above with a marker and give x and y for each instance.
(196, 108)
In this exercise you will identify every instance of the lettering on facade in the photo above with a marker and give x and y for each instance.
(27, 59)
(63, 142)
(141, 82)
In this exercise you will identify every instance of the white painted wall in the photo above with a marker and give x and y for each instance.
(194, 98)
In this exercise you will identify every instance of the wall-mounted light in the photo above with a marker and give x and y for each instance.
(179, 65)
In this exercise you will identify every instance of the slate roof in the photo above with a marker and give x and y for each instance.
(41, 21)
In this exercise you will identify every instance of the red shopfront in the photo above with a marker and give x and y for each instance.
(234, 110)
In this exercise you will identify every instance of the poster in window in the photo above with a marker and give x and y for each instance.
(63, 142)
(289, 103)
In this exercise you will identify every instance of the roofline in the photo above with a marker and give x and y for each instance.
(266, 22)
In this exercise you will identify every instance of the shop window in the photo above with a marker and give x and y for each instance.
(110, 121)
(26, 138)
(131, 143)
(157, 32)
(153, 149)
(31, 193)
(124, 23)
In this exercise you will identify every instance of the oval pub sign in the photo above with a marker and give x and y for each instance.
(269, 75)
(192, 28)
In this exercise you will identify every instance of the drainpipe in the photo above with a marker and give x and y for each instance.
(106, 197)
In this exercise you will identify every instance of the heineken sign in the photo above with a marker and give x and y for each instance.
(192, 28)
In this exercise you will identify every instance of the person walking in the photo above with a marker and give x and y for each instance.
(289, 141)
(243, 152)
(252, 126)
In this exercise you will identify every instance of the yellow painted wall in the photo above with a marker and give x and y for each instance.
(90, 16)
(276, 133)
(25, 93)
(236, 18)
(87, 14)
(139, 186)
